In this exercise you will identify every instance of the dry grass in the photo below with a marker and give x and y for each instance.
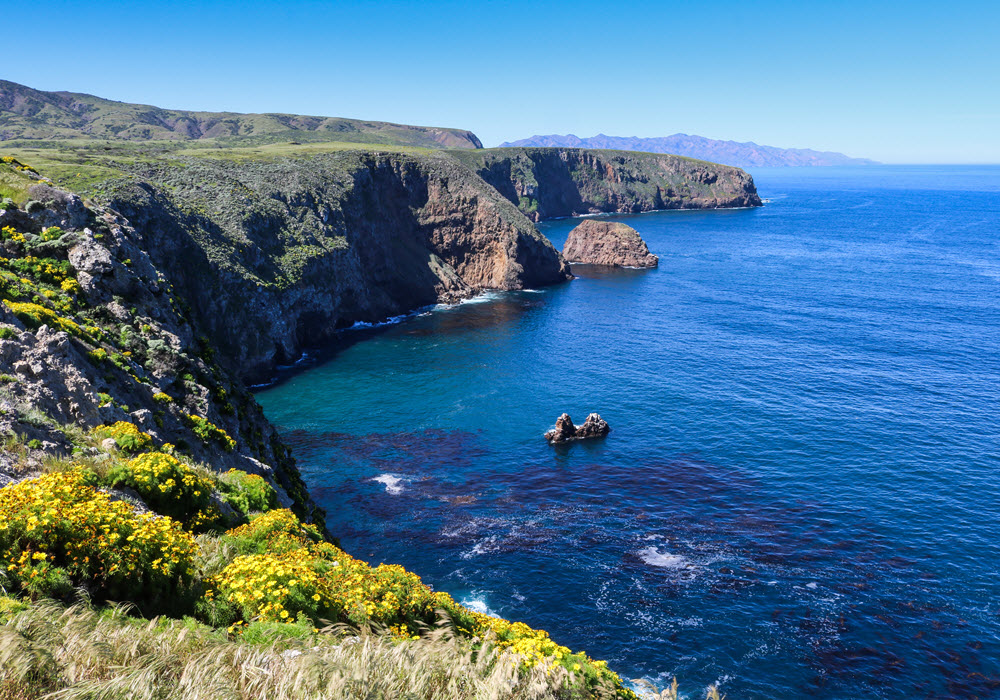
(58, 653)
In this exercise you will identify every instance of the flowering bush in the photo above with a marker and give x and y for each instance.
(44, 269)
(35, 316)
(289, 571)
(70, 286)
(292, 571)
(126, 435)
(208, 431)
(169, 487)
(58, 530)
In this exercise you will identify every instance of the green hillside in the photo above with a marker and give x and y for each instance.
(29, 114)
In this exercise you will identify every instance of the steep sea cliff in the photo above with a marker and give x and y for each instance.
(277, 255)
(132, 318)
(554, 182)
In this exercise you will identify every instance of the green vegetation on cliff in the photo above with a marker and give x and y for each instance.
(551, 182)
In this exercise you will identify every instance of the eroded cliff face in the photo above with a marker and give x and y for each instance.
(93, 333)
(274, 256)
(552, 182)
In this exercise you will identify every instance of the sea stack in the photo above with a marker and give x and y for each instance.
(593, 427)
(609, 243)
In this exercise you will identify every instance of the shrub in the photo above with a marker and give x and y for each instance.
(127, 436)
(274, 532)
(169, 487)
(9, 233)
(57, 531)
(52, 233)
(286, 570)
(70, 286)
(208, 431)
(8, 333)
(35, 316)
(247, 493)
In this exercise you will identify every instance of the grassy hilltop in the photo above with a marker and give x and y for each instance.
(26, 113)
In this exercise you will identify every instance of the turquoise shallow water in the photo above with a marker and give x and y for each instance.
(800, 495)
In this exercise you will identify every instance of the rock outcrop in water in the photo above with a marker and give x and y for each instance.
(593, 427)
(607, 243)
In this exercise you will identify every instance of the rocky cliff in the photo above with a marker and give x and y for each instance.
(552, 182)
(92, 333)
(276, 255)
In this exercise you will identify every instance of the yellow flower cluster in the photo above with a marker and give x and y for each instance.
(207, 430)
(16, 164)
(126, 435)
(170, 487)
(45, 269)
(296, 571)
(71, 286)
(60, 523)
(161, 397)
(35, 315)
(157, 472)
(11, 234)
(274, 587)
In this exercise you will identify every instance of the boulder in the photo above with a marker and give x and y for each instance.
(611, 243)
(593, 427)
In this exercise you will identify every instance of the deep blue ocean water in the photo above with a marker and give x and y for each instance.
(801, 492)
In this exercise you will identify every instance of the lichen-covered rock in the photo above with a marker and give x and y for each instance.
(593, 427)
(607, 243)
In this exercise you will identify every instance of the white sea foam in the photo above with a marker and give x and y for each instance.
(486, 545)
(664, 560)
(393, 484)
(378, 324)
(479, 605)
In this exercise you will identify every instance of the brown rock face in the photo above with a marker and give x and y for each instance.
(593, 427)
(607, 243)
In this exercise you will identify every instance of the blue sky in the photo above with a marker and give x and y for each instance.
(915, 82)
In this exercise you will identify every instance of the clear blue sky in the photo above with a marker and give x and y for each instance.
(895, 81)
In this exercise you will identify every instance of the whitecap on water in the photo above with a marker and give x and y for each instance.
(478, 605)
(664, 560)
(393, 484)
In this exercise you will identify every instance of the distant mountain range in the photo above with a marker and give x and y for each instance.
(29, 114)
(741, 155)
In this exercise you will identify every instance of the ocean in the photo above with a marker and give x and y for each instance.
(800, 495)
